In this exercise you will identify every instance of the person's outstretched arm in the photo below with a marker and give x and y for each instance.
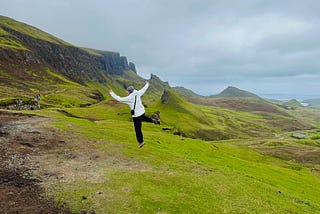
(144, 89)
(126, 99)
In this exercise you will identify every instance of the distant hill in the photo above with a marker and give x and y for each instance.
(292, 104)
(312, 102)
(227, 118)
(234, 93)
(187, 93)
(232, 98)
(229, 92)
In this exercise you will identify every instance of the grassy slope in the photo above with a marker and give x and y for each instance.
(214, 123)
(55, 89)
(188, 119)
(7, 40)
(196, 121)
(173, 174)
(310, 115)
(25, 82)
(186, 93)
(293, 103)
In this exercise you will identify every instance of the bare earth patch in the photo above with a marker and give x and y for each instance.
(20, 191)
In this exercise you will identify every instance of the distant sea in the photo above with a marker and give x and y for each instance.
(286, 97)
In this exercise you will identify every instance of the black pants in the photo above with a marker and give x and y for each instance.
(137, 121)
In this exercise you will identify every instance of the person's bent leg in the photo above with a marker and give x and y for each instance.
(146, 118)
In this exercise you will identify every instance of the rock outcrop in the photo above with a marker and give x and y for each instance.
(114, 63)
(75, 63)
(132, 67)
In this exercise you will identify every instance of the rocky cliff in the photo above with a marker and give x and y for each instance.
(73, 62)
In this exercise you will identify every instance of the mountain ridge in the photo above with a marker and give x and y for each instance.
(61, 56)
(33, 61)
(61, 71)
(227, 155)
(229, 92)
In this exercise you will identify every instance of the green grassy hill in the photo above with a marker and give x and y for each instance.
(8, 25)
(293, 104)
(174, 174)
(186, 93)
(226, 117)
(23, 73)
(211, 155)
(219, 122)
(32, 62)
(234, 92)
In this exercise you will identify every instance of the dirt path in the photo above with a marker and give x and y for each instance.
(20, 139)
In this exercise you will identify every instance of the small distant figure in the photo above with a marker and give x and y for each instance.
(137, 109)
(37, 99)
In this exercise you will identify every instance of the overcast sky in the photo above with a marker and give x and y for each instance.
(263, 46)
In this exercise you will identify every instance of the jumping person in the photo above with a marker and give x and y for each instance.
(37, 99)
(137, 109)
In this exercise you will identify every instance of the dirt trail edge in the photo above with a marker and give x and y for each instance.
(21, 138)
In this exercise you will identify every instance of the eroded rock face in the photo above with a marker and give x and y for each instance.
(165, 97)
(70, 61)
(132, 67)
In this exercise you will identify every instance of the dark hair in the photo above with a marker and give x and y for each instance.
(130, 89)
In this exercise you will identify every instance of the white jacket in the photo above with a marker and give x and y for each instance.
(139, 109)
